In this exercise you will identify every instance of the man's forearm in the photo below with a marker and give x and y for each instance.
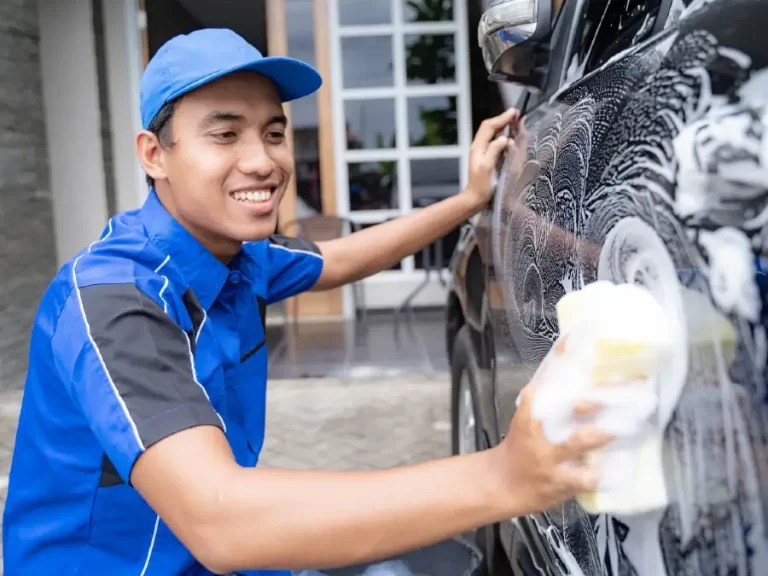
(369, 251)
(272, 518)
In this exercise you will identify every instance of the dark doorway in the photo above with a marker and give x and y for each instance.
(169, 18)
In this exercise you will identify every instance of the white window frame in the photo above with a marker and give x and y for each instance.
(403, 153)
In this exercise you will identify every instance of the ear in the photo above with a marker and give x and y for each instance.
(150, 155)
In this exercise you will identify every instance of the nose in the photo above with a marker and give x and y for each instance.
(255, 159)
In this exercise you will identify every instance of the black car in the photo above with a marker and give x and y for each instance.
(643, 158)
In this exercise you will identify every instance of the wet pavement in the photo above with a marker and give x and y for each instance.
(379, 346)
(330, 423)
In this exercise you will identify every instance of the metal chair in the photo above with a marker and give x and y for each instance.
(430, 267)
(322, 228)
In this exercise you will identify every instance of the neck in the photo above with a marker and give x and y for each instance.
(224, 249)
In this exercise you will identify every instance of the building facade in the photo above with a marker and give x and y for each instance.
(388, 133)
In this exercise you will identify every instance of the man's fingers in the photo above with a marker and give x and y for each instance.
(578, 478)
(586, 409)
(497, 146)
(584, 439)
(524, 396)
(561, 345)
(492, 126)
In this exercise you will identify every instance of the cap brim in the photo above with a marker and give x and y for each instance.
(293, 78)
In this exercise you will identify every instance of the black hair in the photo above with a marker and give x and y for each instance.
(161, 127)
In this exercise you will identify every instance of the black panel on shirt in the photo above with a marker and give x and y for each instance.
(196, 315)
(147, 356)
(262, 304)
(245, 357)
(109, 475)
(295, 243)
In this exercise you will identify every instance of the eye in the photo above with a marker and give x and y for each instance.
(276, 136)
(225, 136)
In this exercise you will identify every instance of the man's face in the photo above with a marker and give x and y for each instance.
(229, 166)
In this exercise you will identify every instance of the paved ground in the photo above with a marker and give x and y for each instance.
(329, 423)
(361, 424)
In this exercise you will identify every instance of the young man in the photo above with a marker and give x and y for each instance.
(143, 412)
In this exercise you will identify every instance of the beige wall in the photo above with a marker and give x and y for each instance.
(73, 124)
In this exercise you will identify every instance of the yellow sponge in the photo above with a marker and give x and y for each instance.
(630, 335)
(628, 326)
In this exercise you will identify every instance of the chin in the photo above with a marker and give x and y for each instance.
(249, 227)
(255, 233)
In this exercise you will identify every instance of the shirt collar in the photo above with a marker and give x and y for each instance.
(202, 271)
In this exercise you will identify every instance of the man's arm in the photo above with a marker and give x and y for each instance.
(369, 251)
(234, 518)
(364, 253)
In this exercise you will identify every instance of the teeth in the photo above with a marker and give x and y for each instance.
(260, 196)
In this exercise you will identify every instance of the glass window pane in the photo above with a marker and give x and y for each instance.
(299, 25)
(351, 13)
(367, 61)
(433, 180)
(439, 252)
(373, 185)
(432, 121)
(370, 124)
(301, 44)
(430, 59)
(427, 10)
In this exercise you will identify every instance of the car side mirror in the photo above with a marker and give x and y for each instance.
(513, 36)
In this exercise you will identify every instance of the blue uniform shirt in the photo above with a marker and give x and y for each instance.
(140, 336)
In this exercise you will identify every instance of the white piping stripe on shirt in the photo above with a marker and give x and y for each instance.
(298, 251)
(165, 283)
(200, 329)
(151, 546)
(120, 400)
(194, 375)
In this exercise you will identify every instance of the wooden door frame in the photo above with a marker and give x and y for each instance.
(144, 36)
(310, 304)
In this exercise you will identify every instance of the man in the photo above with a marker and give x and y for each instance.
(143, 412)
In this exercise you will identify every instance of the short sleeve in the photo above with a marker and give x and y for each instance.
(129, 368)
(294, 266)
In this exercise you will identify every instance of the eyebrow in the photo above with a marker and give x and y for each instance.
(278, 119)
(216, 117)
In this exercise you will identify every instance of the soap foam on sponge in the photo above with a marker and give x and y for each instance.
(616, 340)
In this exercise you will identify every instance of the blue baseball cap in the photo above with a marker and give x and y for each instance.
(189, 61)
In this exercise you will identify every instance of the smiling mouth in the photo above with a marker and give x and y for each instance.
(254, 196)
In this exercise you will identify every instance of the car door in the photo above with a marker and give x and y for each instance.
(649, 164)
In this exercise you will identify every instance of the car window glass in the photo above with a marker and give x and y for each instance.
(612, 26)
(559, 27)
(592, 15)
